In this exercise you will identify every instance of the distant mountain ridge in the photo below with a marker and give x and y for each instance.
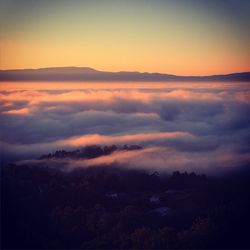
(90, 74)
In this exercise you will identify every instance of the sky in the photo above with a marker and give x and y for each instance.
(191, 37)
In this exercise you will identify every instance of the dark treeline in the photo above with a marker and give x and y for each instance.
(89, 152)
(115, 208)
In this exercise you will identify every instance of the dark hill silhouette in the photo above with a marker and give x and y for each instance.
(108, 207)
(89, 74)
(89, 152)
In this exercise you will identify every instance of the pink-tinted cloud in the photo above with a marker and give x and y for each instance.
(123, 139)
(23, 111)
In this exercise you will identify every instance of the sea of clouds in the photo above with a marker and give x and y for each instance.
(203, 127)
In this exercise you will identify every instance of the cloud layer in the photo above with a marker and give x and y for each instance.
(185, 126)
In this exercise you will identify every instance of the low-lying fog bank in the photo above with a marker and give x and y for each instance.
(192, 126)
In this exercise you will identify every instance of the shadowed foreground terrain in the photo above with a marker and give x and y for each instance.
(116, 207)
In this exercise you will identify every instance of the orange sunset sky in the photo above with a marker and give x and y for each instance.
(177, 37)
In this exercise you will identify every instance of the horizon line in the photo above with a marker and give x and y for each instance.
(125, 71)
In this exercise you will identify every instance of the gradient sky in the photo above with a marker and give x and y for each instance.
(191, 37)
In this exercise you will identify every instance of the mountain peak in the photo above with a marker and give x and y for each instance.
(67, 70)
(89, 74)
